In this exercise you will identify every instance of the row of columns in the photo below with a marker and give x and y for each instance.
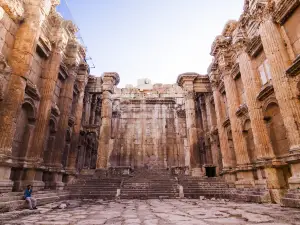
(278, 58)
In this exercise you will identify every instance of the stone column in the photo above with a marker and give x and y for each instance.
(65, 106)
(48, 84)
(82, 79)
(109, 81)
(227, 158)
(20, 61)
(245, 177)
(278, 58)
(186, 82)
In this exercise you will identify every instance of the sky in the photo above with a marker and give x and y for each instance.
(155, 39)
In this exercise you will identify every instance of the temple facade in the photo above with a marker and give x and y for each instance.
(241, 121)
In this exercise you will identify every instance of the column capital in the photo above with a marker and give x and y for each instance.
(187, 79)
(110, 79)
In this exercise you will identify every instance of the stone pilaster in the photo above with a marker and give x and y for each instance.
(20, 61)
(65, 105)
(245, 178)
(227, 158)
(278, 58)
(109, 81)
(82, 79)
(186, 82)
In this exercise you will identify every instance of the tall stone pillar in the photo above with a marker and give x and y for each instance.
(109, 81)
(278, 58)
(273, 178)
(227, 156)
(245, 176)
(20, 60)
(186, 81)
(65, 105)
(82, 79)
(48, 83)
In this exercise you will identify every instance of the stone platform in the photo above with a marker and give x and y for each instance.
(157, 212)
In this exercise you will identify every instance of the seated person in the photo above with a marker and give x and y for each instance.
(27, 196)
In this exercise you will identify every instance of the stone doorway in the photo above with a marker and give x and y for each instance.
(210, 171)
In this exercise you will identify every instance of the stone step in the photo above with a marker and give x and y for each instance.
(290, 202)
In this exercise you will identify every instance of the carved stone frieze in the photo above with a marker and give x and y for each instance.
(254, 46)
(294, 69)
(284, 9)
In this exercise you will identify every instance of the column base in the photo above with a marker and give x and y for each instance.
(6, 185)
(100, 173)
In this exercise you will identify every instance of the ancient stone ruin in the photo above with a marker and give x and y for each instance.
(232, 133)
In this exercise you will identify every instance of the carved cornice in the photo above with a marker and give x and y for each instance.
(254, 46)
(70, 27)
(112, 76)
(265, 92)
(242, 110)
(63, 71)
(284, 10)
(32, 91)
(71, 121)
(294, 69)
(235, 72)
(43, 47)
(55, 110)
(190, 77)
(229, 27)
(220, 42)
(226, 123)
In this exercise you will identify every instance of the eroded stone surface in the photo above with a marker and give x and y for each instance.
(163, 212)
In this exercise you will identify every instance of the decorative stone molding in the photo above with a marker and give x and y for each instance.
(235, 72)
(294, 69)
(71, 121)
(254, 46)
(63, 72)
(160, 101)
(32, 91)
(220, 42)
(242, 110)
(226, 123)
(43, 47)
(186, 77)
(284, 10)
(266, 91)
(55, 110)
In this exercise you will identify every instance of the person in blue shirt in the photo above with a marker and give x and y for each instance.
(27, 196)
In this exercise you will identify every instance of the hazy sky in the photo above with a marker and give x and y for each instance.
(156, 39)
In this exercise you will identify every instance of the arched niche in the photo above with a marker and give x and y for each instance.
(24, 128)
(276, 129)
(248, 135)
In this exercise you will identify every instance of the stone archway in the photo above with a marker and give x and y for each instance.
(276, 129)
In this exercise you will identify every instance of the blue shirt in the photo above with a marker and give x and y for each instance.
(27, 193)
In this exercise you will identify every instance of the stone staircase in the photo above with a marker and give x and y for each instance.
(194, 187)
(89, 187)
(150, 184)
(14, 200)
(292, 198)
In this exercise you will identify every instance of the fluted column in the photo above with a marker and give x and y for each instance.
(109, 81)
(245, 178)
(252, 86)
(20, 61)
(82, 79)
(228, 160)
(48, 84)
(278, 58)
